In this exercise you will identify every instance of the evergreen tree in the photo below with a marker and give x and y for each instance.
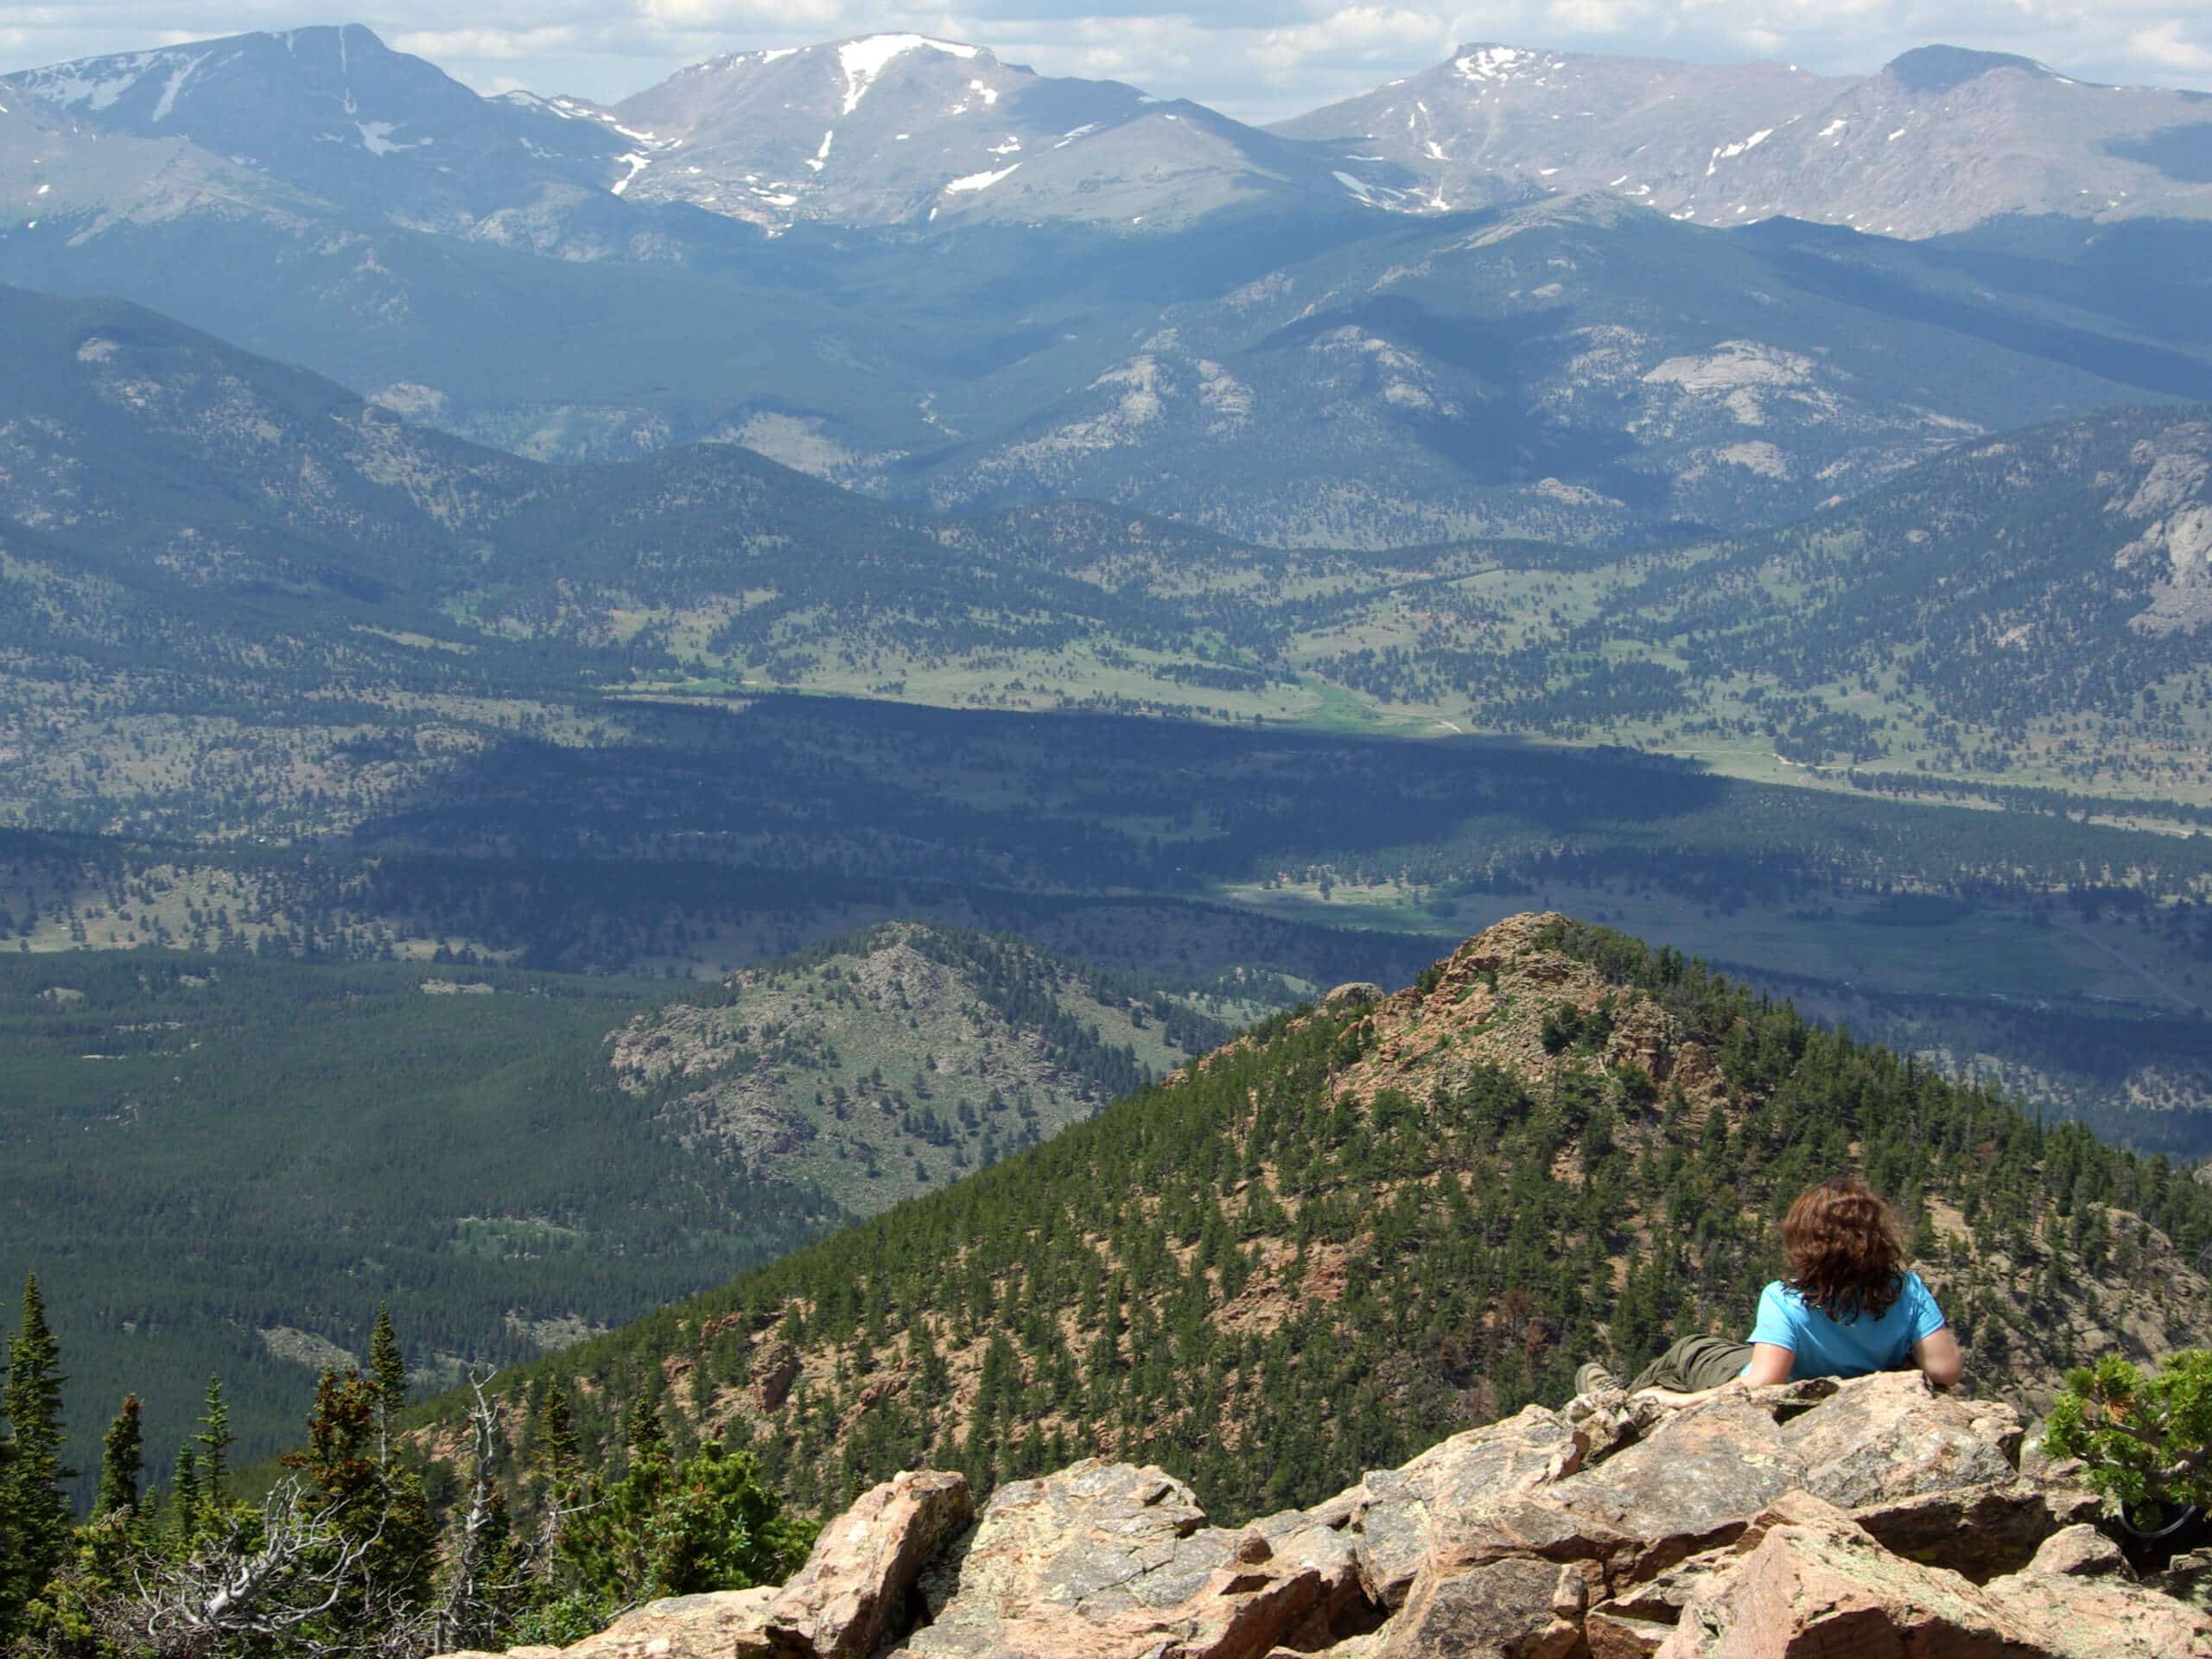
(10, 1541)
(380, 1507)
(214, 1440)
(388, 1371)
(184, 1494)
(122, 1461)
(559, 1449)
(34, 1513)
(668, 1528)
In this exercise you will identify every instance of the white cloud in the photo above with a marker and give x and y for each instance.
(486, 45)
(2163, 44)
(1363, 33)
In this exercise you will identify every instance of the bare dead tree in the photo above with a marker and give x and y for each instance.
(258, 1583)
(480, 1593)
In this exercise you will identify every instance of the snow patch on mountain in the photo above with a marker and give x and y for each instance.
(865, 59)
(92, 83)
(1492, 62)
(1729, 152)
(376, 138)
(979, 181)
(177, 78)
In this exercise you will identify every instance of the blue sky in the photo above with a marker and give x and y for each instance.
(1259, 59)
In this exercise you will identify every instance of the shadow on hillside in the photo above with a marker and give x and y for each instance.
(1036, 803)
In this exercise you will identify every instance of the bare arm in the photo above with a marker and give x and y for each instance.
(1937, 1354)
(1770, 1364)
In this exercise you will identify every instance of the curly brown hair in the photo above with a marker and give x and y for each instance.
(1846, 1249)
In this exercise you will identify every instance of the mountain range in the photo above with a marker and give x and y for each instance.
(907, 130)
(908, 268)
(1938, 140)
(207, 509)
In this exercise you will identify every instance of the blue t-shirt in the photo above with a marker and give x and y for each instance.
(1827, 1347)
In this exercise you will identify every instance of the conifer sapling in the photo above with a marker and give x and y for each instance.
(2147, 1442)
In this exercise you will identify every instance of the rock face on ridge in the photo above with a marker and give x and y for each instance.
(1762, 1524)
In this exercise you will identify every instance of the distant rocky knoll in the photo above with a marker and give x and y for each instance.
(881, 1065)
(1870, 1517)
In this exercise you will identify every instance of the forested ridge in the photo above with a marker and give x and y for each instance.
(226, 1162)
(1359, 1227)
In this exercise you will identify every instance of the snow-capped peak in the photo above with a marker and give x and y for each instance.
(864, 59)
(1492, 62)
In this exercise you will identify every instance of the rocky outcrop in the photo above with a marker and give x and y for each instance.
(1104, 1560)
(1873, 1517)
(670, 1628)
(1817, 1583)
(852, 1592)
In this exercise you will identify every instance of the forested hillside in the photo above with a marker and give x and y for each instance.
(225, 1162)
(1359, 1227)
(886, 1066)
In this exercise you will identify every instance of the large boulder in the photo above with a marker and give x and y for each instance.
(2081, 1552)
(1320, 1540)
(679, 1627)
(1397, 1513)
(1891, 1436)
(1981, 1531)
(852, 1593)
(1816, 1584)
(1689, 1486)
(1110, 1561)
(1517, 1605)
(2097, 1614)
(1809, 1582)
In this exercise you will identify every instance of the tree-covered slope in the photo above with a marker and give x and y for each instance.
(516, 1158)
(879, 1067)
(1353, 1230)
(2049, 574)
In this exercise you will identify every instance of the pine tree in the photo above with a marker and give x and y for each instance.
(562, 1450)
(122, 1461)
(184, 1494)
(8, 1540)
(34, 1513)
(214, 1439)
(388, 1371)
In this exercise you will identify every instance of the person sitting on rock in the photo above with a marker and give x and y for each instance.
(1849, 1306)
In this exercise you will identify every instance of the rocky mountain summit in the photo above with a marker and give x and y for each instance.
(349, 124)
(1939, 139)
(330, 127)
(895, 129)
(1871, 1516)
